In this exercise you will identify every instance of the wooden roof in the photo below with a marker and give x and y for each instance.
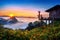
(53, 8)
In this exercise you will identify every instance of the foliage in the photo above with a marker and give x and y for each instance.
(39, 33)
(35, 25)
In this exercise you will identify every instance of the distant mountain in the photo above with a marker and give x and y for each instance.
(9, 21)
(3, 21)
(12, 20)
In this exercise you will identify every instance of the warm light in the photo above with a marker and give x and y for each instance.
(11, 15)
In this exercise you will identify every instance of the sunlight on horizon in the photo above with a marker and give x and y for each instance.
(11, 15)
(20, 11)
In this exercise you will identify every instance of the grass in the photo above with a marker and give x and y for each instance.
(40, 33)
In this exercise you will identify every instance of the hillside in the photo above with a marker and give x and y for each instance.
(39, 33)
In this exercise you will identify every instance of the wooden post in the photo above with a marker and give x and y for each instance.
(46, 22)
(49, 21)
(41, 19)
(39, 15)
(53, 21)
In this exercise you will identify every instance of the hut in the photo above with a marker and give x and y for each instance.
(54, 12)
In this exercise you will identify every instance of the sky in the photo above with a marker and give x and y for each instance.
(27, 8)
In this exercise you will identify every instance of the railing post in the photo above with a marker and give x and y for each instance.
(39, 15)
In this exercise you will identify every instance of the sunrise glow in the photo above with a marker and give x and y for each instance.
(11, 15)
(19, 11)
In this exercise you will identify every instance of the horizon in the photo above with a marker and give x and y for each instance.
(19, 16)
